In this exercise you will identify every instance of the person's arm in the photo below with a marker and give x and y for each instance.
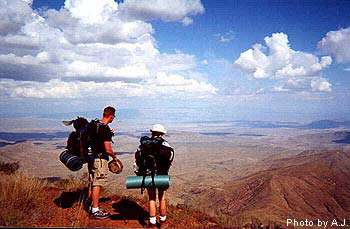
(109, 149)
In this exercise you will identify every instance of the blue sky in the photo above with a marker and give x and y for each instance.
(257, 60)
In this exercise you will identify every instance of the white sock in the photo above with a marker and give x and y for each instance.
(153, 220)
(162, 218)
(93, 210)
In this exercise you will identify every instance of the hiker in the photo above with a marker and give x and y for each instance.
(154, 157)
(98, 166)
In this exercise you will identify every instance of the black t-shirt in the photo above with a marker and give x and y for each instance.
(104, 134)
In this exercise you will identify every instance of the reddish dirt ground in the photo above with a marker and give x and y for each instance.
(64, 210)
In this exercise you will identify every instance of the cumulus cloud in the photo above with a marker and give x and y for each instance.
(163, 84)
(14, 14)
(91, 44)
(337, 44)
(321, 84)
(166, 10)
(226, 37)
(278, 61)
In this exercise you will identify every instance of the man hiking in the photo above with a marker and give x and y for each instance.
(101, 148)
(154, 157)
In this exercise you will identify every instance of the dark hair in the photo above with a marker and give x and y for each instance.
(108, 111)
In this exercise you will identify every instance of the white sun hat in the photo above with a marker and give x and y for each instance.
(158, 128)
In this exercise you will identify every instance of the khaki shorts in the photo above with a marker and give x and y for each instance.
(98, 171)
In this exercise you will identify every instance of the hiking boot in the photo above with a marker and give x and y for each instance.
(100, 215)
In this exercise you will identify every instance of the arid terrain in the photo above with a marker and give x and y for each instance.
(309, 185)
(235, 171)
(33, 202)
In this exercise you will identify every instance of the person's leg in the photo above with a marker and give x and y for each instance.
(99, 180)
(152, 205)
(162, 204)
(88, 199)
(95, 196)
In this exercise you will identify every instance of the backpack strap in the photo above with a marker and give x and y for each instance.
(143, 184)
(166, 144)
(172, 156)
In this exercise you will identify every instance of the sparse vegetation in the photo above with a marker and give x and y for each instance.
(9, 167)
(21, 199)
(31, 202)
(28, 202)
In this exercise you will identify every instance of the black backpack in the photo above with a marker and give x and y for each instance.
(84, 137)
(154, 157)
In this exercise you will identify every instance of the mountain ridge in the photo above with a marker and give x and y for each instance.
(308, 185)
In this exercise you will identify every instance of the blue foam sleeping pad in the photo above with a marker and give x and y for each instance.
(160, 181)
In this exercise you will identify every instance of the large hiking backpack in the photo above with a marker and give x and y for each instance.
(80, 141)
(154, 157)
(74, 140)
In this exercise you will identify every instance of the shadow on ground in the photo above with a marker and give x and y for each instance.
(67, 199)
(125, 209)
(129, 210)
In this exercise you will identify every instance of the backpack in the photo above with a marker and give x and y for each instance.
(154, 157)
(81, 140)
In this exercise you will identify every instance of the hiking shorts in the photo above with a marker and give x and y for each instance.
(98, 171)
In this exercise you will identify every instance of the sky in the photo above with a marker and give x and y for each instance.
(185, 60)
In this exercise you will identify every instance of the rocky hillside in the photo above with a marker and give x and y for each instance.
(310, 185)
(29, 202)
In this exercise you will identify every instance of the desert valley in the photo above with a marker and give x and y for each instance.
(237, 172)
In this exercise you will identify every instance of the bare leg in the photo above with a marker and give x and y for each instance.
(95, 196)
(88, 199)
(89, 196)
(162, 202)
(152, 202)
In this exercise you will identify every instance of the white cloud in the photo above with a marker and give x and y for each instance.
(321, 84)
(14, 14)
(56, 89)
(226, 37)
(94, 41)
(164, 83)
(91, 12)
(186, 21)
(278, 61)
(337, 44)
(279, 88)
(93, 69)
(166, 10)
(168, 85)
(205, 62)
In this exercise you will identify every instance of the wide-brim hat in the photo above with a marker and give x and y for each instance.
(158, 128)
(115, 166)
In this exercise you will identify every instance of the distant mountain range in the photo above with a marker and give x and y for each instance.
(326, 124)
(320, 124)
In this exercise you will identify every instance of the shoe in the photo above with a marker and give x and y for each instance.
(100, 215)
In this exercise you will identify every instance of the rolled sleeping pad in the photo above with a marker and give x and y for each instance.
(72, 162)
(160, 181)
